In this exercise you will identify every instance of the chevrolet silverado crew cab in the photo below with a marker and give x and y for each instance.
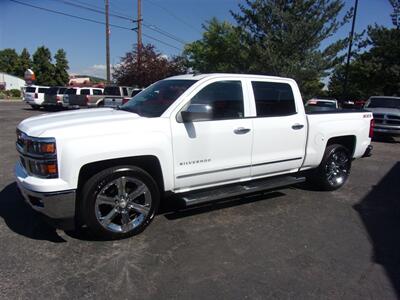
(199, 137)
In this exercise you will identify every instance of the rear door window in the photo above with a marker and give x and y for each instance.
(85, 91)
(30, 89)
(273, 99)
(125, 91)
(70, 91)
(97, 92)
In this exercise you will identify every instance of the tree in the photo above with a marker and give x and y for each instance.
(61, 76)
(43, 67)
(375, 71)
(9, 61)
(275, 37)
(152, 67)
(25, 62)
(220, 50)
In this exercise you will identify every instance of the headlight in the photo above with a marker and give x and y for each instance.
(38, 155)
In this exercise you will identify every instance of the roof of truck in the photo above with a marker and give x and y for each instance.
(202, 76)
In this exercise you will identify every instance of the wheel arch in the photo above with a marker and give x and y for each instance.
(348, 141)
(148, 163)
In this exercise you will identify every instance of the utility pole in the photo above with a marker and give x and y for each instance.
(346, 74)
(139, 33)
(107, 43)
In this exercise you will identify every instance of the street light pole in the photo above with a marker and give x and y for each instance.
(346, 75)
(107, 43)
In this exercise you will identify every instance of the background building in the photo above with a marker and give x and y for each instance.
(9, 82)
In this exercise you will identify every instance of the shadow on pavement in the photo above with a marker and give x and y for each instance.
(380, 213)
(21, 219)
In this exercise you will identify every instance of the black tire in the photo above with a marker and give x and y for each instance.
(336, 160)
(101, 104)
(35, 107)
(105, 184)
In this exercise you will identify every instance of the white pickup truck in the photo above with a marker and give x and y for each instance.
(200, 137)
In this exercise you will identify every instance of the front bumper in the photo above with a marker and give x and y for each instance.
(53, 204)
(380, 129)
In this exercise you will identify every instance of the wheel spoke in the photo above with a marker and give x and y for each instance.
(140, 190)
(121, 185)
(142, 209)
(108, 217)
(103, 199)
(125, 220)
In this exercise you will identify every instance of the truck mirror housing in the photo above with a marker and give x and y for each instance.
(197, 112)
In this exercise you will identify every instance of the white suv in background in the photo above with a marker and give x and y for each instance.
(34, 95)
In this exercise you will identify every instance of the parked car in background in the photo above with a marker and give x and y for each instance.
(386, 111)
(53, 97)
(321, 105)
(34, 95)
(76, 97)
(118, 95)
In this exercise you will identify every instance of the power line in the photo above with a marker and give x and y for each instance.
(96, 10)
(69, 15)
(165, 33)
(151, 27)
(174, 15)
(92, 21)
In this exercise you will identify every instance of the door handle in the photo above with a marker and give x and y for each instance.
(241, 130)
(297, 126)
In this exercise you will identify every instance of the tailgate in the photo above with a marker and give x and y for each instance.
(112, 101)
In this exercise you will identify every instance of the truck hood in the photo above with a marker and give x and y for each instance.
(384, 110)
(83, 119)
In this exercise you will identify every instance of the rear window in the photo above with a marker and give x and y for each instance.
(42, 90)
(97, 92)
(30, 89)
(70, 91)
(322, 104)
(112, 91)
(61, 90)
(85, 92)
(52, 91)
(273, 99)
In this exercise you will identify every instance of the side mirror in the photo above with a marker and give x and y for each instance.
(197, 112)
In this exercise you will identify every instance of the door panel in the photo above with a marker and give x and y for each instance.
(280, 129)
(218, 148)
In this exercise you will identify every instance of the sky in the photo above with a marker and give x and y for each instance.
(84, 42)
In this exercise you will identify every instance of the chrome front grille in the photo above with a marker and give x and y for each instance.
(387, 119)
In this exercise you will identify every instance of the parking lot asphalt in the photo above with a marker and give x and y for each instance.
(291, 243)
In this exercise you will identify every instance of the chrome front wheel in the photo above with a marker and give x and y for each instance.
(123, 204)
(119, 202)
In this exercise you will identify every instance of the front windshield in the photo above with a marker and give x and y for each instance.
(384, 102)
(153, 101)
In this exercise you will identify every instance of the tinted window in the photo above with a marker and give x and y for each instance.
(52, 91)
(42, 90)
(30, 89)
(85, 92)
(273, 99)
(225, 99)
(61, 90)
(70, 91)
(125, 91)
(135, 92)
(112, 91)
(384, 102)
(97, 92)
(155, 99)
